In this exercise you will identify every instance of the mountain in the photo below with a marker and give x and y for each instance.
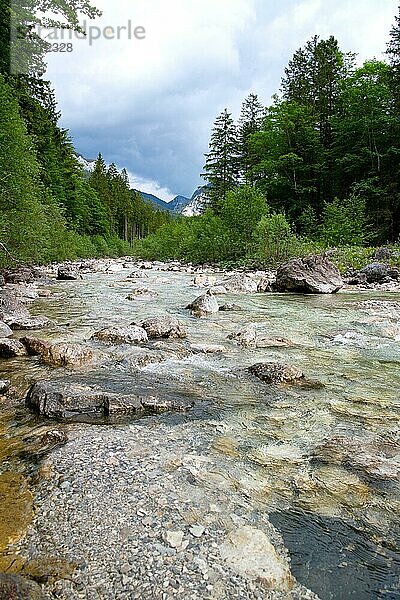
(180, 205)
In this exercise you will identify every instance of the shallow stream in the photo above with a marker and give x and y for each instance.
(323, 463)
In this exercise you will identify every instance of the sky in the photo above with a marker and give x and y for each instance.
(148, 103)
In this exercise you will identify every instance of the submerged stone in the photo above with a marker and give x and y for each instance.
(163, 327)
(122, 335)
(276, 372)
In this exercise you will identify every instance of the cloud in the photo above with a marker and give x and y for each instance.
(149, 104)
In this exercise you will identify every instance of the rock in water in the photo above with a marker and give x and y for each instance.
(60, 400)
(11, 348)
(122, 335)
(249, 552)
(276, 372)
(10, 307)
(240, 283)
(246, 337)
(204, 305)
(5, 330)
(163, 327)
(5, 385)
(68, 355)
(67, 274)
(27, 323)
(309, 275)
(15, 587)
(35, 346)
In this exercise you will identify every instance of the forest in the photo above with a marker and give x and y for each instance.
(49, 208)
(317, 168)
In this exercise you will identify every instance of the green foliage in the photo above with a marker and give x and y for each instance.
(344, 222)
(274, 240)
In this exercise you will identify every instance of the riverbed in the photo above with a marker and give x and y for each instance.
(149, 507)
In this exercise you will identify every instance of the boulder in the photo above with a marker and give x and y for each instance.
(67, 354)
(121, 335)
(163, 327)
(11, 307)
(375, 272)
(276, 372)
(11, 348)
(204, 305)
(73, 401)
(309, 275)
(28, 323)
(67, 274)
(35, 346)
(15, 587)
(265, 285)
(20, 275)
(5, 385)
(239, 283)
(5, 330)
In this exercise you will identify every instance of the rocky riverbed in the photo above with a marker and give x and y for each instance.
(190, 433)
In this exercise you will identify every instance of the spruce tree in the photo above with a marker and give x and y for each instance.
(250, 122)
(222, 160)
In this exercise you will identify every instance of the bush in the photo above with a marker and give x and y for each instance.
(344, 222)
(274, 240)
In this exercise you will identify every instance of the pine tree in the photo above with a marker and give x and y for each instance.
(222, 160)
(250, 122)
(393, 52)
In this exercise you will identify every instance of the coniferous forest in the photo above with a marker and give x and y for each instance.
(49, 208)
(317, 168)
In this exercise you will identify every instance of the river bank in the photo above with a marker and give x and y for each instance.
(172, 504)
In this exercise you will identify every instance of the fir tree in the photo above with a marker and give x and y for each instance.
(250, 122)
(222, 160)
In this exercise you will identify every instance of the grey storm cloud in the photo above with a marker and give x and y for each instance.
(148, 105)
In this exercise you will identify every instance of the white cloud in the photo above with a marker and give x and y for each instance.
(150, 104)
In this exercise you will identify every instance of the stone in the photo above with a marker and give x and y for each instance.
(5, 330)
(11, 307)
(368, 457)
(174, 538)
(246, 337)
(163, 327)
(197, 530)
(35, 346)
(204, 280)
(276, 372)
(16, 587)
(383, 254)
(375, 272)
(67, 274)
(142, 293)
(122, 335)
(27, 323)
(240, 283)
(309, 275)
(67, 354)
(20, 275)
(208, 348)
(265, 285)
(11, 348)
(228, 306)
(249, 552)
(5, 385)
(73, 401)
(204, 305)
